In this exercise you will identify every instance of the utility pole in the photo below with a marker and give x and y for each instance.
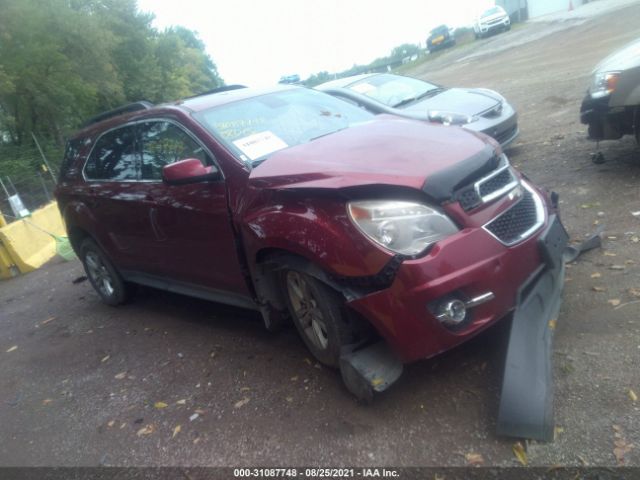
(44, 159)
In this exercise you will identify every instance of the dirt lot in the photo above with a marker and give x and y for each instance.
(169, 380)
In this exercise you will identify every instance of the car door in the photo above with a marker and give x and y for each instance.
(113, 197)
(193, 238)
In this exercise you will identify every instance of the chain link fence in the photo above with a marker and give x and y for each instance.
(33, 192)
(26, 183)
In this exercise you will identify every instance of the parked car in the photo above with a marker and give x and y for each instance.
(492, 20)
(611, 107)
(440, 37)
(476, 109)
(290, 79)
(385, 240)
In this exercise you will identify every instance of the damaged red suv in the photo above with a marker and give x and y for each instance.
(384, 240)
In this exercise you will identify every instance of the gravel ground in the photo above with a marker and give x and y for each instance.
(169, 380)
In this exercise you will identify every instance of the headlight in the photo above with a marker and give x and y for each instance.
(402, 227)
(450, 118)
(604, 83)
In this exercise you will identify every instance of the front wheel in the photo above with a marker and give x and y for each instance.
(102, 274)
(318, 314)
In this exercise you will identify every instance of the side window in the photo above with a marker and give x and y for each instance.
(114, 156)
(71, 152)
(164, 143)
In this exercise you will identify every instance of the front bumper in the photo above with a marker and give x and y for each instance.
(596, 114)
(469, 264)
(526, 402)
(501, 25)
(503, 128)
(440, 43)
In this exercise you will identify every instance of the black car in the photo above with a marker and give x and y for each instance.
(440, 37)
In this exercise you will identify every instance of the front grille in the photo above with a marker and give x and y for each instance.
(520, 221)
(495, 183)
(468, 198)
(488, 188)
(506, 134)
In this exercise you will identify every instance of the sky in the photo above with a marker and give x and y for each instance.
(255, 42)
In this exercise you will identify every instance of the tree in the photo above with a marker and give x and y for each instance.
(62, 61)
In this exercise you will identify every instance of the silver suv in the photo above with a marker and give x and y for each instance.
(491, 20)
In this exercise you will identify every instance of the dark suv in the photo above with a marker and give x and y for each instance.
(385, 240)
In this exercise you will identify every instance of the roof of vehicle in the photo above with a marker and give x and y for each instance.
(192, 104)
(439, 28)
(203, 102)
(345, 82)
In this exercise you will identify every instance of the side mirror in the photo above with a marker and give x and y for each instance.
(189, 170)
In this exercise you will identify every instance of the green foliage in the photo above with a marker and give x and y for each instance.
(382, 64)
(63, 61)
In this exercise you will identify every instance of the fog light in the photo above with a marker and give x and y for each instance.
(451, 312)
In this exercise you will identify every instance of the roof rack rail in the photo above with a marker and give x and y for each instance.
(129, 108)
(226, 88)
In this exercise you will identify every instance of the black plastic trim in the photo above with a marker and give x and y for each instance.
(129, 108)
(442, 185)
(526, 402)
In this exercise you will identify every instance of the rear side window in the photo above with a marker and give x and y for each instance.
(163, 143)
(114, 156)
(71, 152)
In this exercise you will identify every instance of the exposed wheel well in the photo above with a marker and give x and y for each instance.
(271, 261)
(76, 236)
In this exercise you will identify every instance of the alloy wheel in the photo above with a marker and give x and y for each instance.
(99, 274)
(307, 311)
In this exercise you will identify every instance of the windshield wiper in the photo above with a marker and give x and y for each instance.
(328, 133)
(428, 93)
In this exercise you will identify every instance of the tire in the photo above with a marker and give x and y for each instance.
(105, 279)
(318, 313)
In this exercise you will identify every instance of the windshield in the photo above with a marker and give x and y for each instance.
(256, 127)
(441, 30)
(393, 90)
(491, 11)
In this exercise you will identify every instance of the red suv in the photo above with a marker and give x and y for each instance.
(385, 240)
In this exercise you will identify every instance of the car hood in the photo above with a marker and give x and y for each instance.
(467, 101)
(490, 18)
(386, 151)
(623, 59)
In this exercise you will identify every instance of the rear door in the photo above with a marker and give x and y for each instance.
(112, 195)
(192, 235)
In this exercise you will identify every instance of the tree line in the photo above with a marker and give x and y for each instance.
(63, 61)
(381, 64)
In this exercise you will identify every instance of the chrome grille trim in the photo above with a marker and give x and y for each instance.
(539, 220)
(513, 183)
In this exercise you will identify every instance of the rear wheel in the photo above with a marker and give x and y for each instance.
(318, 314)
(102, 274)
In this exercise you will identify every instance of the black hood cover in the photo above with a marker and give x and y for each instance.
(442, 185)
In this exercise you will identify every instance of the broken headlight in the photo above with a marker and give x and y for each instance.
(603, 84)
(403, 227)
